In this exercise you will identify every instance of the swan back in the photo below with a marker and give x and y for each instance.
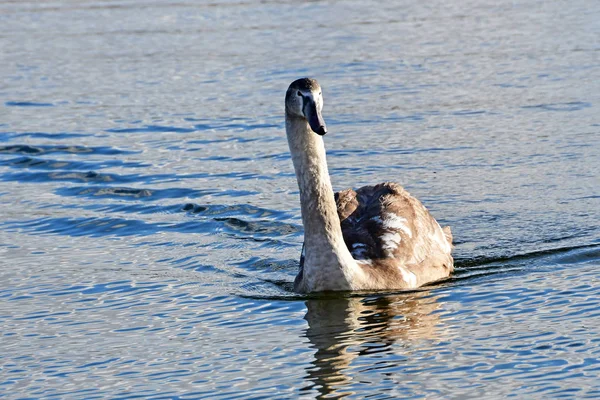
(393, 237)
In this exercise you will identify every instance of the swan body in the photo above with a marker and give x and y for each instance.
(375, 238)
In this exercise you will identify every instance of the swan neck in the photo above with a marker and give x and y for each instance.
(319, 212)
(328, 264)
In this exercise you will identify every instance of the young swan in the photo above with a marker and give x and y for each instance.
(377, 237)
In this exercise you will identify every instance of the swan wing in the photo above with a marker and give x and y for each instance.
(385, 227)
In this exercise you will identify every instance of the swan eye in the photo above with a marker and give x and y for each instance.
(299, 93)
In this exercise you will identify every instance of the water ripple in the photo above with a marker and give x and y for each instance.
(27, 104)
(42, 135)
(570, 106)
(53, 164)
(74, 149)
(112, 226)
(150, 227)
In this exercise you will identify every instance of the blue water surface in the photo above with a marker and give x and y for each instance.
(150, 226)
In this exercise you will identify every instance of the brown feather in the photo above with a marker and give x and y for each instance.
(390, 230)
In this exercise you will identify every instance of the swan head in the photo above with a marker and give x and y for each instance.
(304, 99)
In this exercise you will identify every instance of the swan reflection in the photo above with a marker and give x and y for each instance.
(342, 329)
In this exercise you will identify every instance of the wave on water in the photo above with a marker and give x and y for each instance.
(73, 149)
(104, 191)
(469, 269)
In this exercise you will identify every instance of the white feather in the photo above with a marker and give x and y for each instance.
(408, 276)
(393, 221)
(391, 240)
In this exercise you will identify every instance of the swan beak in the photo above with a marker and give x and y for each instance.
(315, 120)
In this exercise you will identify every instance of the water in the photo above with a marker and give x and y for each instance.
(149, 219)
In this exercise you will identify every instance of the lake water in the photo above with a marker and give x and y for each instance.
(149, 218)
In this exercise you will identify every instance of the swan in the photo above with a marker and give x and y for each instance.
(373, 238)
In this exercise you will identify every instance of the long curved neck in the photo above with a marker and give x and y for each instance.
(319, 212)
(324, 244)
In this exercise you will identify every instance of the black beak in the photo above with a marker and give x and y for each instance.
(315, 120)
